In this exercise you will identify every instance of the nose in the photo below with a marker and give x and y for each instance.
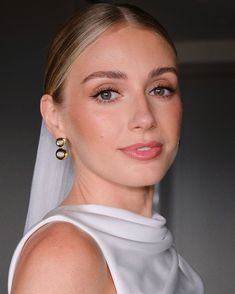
(142, 118)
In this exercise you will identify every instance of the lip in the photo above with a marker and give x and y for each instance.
(150, 150)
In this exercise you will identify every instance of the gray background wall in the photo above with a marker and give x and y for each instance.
(197, 196)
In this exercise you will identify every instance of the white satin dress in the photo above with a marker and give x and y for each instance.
(138, 250)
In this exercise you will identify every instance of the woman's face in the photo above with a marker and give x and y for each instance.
(122, 107)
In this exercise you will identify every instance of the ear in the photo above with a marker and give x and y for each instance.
(52, 116)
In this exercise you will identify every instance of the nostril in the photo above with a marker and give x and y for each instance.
(143, 115)
(142, 121)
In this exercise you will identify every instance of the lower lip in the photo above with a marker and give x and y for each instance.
(152, 153)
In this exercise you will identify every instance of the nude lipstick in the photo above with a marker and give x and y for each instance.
(143, 151)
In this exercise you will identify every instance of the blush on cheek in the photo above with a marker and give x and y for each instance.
(176, 115)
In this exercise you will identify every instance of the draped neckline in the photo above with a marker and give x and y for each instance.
(119, 222)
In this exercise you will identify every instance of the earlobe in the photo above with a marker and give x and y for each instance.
(51, 115)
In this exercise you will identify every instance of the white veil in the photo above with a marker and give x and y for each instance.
(52, 179)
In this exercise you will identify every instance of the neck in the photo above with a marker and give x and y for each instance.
(135, 199)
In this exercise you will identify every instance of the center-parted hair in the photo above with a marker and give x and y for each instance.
(82, 30)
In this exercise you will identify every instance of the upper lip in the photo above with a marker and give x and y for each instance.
(150, 144)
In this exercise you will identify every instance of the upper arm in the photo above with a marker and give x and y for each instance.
(59, 258)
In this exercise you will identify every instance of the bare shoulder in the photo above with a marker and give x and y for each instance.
(59, 258)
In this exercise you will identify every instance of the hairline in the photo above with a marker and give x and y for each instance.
(121, 23)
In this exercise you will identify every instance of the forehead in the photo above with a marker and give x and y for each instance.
(125, 48)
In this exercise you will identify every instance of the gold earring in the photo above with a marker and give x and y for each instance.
(61, 153)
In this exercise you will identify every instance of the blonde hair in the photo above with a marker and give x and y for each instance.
(82, 30)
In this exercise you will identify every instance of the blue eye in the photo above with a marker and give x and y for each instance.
(161, 91)
(106, 95)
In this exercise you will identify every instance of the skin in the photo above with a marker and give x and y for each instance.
(96, 130)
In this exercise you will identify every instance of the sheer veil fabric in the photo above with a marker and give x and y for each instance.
(52, 179)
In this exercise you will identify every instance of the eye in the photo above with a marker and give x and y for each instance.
(161, 91)
(106, 95)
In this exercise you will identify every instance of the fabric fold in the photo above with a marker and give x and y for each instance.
(138, 250)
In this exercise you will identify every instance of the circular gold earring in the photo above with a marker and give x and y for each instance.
(61, 153)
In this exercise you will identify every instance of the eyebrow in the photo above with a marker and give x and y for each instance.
(121, 75)
(162, 70)
(105, 74)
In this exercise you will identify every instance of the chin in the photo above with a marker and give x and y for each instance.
(153, 174)
(151, 181)
(143, 179)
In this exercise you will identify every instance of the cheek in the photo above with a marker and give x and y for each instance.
(177, 116)
(91, 126)
(171, 119)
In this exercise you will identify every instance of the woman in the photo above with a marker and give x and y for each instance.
(112, 104)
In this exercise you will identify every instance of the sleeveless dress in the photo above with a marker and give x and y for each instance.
(139, 250)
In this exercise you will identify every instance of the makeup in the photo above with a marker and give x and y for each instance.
(143, 151)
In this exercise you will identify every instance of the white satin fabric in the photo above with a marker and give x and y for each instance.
(138, 250)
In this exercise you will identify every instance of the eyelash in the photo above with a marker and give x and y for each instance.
(100, 91)
(171, 91)
(103, 90)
